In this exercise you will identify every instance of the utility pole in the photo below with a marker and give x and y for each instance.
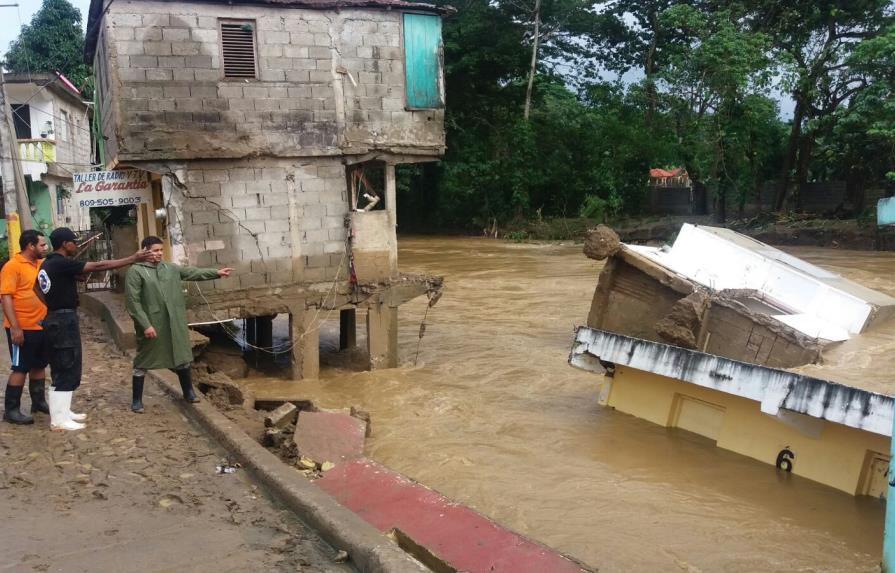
(15, 192)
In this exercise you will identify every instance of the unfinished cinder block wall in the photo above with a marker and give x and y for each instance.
(276, 222)
(329, 83)
(254, 172)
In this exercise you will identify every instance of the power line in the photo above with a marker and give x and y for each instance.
(26, 121)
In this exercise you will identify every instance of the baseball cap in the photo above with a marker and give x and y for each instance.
(61, 235)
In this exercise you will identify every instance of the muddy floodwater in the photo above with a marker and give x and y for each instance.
(493, 416)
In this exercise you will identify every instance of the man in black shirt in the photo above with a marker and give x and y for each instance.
(56, 281)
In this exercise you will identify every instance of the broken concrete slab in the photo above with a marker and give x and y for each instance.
(282, 416)
(681, 326)
(330, 436)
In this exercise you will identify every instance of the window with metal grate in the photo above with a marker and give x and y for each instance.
(238, 49)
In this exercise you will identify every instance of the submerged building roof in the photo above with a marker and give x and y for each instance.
(805, 297)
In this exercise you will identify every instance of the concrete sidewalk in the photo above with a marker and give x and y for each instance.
(136, 492)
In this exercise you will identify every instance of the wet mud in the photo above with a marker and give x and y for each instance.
(136, 492)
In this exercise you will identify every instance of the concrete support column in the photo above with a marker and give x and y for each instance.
(347, 328)
(251, 327)
(264, 330)
(382, 336)
(305, 343)
(392, 208)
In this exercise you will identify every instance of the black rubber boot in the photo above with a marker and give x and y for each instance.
(137, 394)
(11, 405)
(186, 384)
(36, 388)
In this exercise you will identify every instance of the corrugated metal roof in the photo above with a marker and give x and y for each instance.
(99, 7)
(658, 172)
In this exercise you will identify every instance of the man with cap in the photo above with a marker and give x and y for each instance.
(56, 282)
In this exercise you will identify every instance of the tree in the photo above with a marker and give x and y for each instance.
(857, 141)
(713, 83)
(634, 35)
(561, 30)
(812, 41)
(52, 42)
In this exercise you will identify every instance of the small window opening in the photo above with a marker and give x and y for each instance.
(63, 126)
(366, 186)
(238, 49)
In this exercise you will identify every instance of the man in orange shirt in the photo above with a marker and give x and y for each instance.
(23, 313)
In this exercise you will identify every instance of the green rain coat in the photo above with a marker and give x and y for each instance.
(154, 296)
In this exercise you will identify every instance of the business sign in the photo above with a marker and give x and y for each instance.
(111, 188)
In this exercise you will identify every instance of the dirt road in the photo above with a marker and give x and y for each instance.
(135, 492)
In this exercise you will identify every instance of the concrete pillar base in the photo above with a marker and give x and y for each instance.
(347, 328)
(305, 343)
(259, 331)
(382, 336)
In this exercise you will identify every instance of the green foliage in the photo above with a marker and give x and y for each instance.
(52, 42)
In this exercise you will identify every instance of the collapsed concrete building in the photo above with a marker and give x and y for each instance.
(708, 335)
(270, 132)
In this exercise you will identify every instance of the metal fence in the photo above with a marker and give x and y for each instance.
(96, 245)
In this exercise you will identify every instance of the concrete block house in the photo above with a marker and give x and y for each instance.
(52, 141)
(270, 131)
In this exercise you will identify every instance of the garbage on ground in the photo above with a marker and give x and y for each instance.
(227, 467)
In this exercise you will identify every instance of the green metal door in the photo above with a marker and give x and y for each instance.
(42, 206)
(422, 60)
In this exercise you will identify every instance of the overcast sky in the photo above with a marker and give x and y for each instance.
(12, 18)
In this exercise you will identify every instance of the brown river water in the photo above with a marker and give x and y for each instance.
(494, 417)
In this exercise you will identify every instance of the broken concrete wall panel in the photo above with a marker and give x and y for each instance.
(683, 324)
(666, 277)
(599, 306)
(636, 303)
(339, 89)
(737, 335)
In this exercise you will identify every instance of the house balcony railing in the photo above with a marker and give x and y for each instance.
(40, 150)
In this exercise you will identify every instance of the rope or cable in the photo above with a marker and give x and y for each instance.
(315, 325)
(45, 112)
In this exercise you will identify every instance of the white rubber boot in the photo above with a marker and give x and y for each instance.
(77, 417)
(60, 406)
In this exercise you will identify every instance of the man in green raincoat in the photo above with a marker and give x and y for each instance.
(154, 293)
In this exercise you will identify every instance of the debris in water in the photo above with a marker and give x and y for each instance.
(327, 466)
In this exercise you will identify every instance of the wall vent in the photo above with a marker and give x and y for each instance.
(238, 49)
